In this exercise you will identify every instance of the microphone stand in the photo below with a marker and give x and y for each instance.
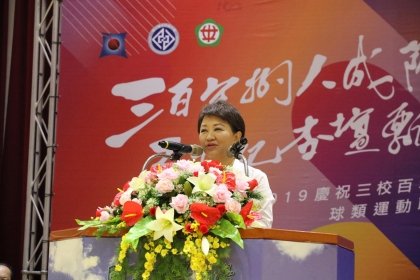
(240, 156)
(235, 151)
(174, 157)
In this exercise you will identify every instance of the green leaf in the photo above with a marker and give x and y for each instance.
(225, 229)
(187, 188)
(236, 219)
(87, 224)
(137, 231)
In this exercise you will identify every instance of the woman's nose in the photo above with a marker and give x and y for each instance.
(210, 136)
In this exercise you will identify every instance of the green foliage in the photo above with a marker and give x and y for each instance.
(235, 218)
(226, 230)
(88, 224)
(137, 231)
(171, 266)
(187, 188)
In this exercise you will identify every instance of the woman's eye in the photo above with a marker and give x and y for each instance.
(202, 131)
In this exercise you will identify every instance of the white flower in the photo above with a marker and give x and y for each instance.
(126, 196)
(137, 183)
(164, 224)
(204, 183)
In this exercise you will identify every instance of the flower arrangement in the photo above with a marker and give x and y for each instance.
(180, 219)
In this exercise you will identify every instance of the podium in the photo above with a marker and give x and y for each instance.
(267, 254)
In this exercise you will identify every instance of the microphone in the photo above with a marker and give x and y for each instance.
(179, 148)
(236, 148)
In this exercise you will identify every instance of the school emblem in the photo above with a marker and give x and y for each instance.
(209, 33)
(163, 38)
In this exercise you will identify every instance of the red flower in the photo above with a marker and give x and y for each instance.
(252, 184)
(152, 211)
(227, 178)
(117, 199)
(213, 163)
(126, 186)
(189, 228)
(248, 219)
(204, 214)
(99, 210)
(204, 229)
(159, 168)
(132, 213)
(221, 208)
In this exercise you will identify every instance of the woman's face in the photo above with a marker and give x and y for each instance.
(216, 137)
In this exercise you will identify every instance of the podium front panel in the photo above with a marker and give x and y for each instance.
(90, 258)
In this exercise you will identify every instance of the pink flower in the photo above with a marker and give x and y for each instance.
(180, 203)
(221, 193)
(242, 186)
(164, 186)
(195, 168)
(257, 216)
(216, 171)
(169, 174)
(183, 164)
(150, 177)
(232, 205)
(104, 216)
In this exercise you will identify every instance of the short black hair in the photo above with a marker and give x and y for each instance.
(226, 112)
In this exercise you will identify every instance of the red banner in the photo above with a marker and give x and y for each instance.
(329, 91)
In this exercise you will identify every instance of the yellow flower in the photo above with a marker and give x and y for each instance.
(145, 275)
(118, 267)
(212, 259)
(164, 224)
(150, 256)
(168, 244)
(174, 251)
(158, 248)
(198, 242)
(146, 246)
(164, 252)
(148, 266)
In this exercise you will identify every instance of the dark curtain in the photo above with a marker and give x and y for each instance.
(14, 125)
